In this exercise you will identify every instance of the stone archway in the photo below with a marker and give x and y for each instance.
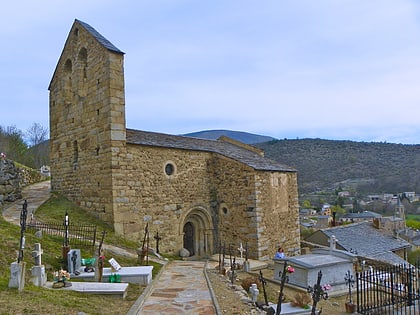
(197, 231)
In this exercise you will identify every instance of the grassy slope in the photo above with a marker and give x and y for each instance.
(35, 300)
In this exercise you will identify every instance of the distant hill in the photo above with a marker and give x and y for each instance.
(368, 166)
(245, 137)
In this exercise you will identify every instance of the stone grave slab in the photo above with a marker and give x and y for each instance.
(138, 274)
(119, 289)
(287, 309)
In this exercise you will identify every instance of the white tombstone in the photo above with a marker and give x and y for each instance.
(74, 261)
(38, 271)
(253, 290)
(37, 254)
(333, 242)
(17, 275)
(39, 277)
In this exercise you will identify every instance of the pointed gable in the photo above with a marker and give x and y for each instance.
(71, 44)
(102, 40)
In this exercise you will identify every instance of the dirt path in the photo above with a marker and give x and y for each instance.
(35, 195)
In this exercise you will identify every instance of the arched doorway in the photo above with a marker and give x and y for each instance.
(189, 237)
(197, 231)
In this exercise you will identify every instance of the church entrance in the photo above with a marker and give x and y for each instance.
(197, 231)
(189, 237)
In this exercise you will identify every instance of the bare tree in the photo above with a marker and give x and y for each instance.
(36, 134)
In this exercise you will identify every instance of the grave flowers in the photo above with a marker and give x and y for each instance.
(114, 278)
(61, 279)
(290, 269)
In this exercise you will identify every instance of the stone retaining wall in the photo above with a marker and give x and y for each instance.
(13, 179)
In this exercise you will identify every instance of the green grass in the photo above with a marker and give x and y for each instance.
(36, 300)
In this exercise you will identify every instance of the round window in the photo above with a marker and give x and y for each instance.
(169, 169)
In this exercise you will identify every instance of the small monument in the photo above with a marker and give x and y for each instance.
(332, 262)
(74, 261)
(38, 271)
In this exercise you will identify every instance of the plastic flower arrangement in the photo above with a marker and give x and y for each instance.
(61, 276)
(290, 269)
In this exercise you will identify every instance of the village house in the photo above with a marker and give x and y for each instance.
(196, 193)
(365, 240)
(359, 217)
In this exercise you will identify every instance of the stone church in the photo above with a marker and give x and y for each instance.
(195, 193)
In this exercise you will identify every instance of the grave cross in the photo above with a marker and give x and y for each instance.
(37, 253)
(23, 215)
(333, 242)
(157, 238)
(66, 229)
(263, 282)
(241, 250)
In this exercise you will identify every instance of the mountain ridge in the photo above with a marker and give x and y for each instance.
(367, 167)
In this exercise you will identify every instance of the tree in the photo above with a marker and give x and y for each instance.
(36, 135)
(13, 145)
(307, 204)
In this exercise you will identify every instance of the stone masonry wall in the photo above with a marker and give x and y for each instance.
(151, 195)
(87, 122)
(233, 191)
(10, 183)
(277, 208)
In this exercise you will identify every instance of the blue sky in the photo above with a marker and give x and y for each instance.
(347, 70)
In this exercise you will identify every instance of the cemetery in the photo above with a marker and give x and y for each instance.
(319, 273)
(40, 256)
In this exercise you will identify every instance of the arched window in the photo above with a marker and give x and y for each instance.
(68, 66)
(75, 152)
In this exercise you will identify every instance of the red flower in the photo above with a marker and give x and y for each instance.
(290, 269)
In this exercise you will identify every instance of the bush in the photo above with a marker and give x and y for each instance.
(301, 299)
(247, 282)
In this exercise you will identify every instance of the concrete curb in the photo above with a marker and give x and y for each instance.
(213, 296)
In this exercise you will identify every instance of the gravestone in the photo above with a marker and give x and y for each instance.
(17, 275)
(38, 271)
(74, 261)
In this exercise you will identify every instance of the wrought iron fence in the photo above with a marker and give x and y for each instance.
(392, 290)
(78, 234)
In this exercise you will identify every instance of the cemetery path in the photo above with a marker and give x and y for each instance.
(181, 288)
(35, 195)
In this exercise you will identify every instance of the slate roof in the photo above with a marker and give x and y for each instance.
(102, 40)
(365, 240)
(224, 148)
(362, 215)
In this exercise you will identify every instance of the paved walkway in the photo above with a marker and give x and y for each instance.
(181, 288)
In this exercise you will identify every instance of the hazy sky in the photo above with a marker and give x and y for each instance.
(339, 69)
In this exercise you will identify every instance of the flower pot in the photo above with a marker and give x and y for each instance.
(350, 307)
